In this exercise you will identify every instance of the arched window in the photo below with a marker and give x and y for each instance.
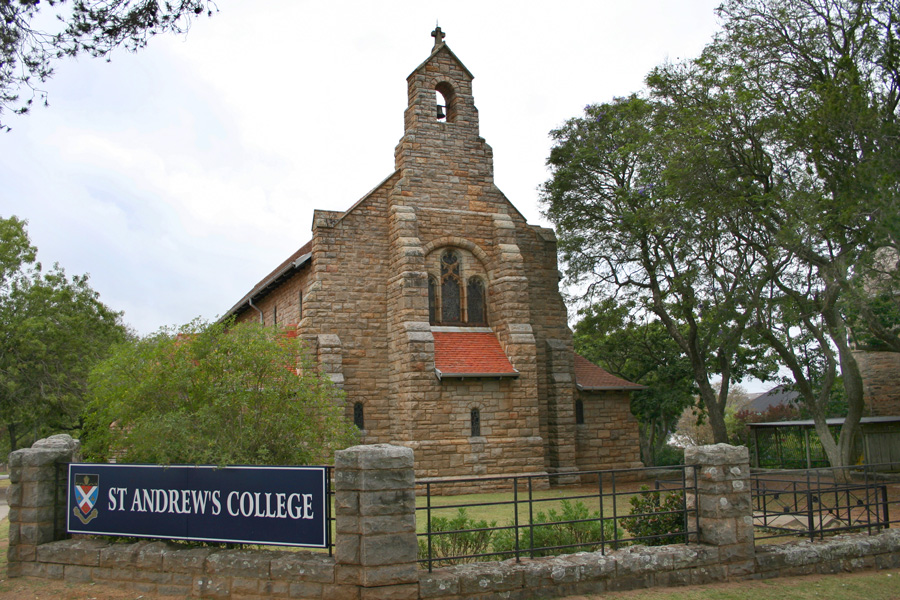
(358, 416)
(475, 422)
(455, 298)
(451, 288)
(475, 305)
(579, 412)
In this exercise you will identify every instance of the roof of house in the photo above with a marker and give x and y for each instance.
(294, 263)
(590, 377)
(777, 396)
(460, 354)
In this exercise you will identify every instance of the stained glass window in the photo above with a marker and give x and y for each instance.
(432, 301)
(451, 291)
(475, 302)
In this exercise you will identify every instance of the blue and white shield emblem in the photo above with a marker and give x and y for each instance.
(87, 490)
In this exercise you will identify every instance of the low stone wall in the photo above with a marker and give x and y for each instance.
(375, 553)
(164, 568)
(639, 567)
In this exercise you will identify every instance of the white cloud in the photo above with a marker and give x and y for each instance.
(181, 175)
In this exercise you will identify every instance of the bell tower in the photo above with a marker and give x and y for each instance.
(441, 121)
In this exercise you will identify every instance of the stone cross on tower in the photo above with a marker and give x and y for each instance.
(438, 36)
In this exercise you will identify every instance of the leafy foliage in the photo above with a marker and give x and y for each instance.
(750, 200)
(657, 516)
(575, 525)
(93, 27)
(454, 538)
(53, 329)
(628, 234)
(217, 394)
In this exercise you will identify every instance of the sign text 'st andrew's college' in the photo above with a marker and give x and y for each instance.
(255, 505)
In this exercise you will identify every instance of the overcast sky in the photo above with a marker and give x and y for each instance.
(180, 176)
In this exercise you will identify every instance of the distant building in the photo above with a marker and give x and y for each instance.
(777, 396)
(436, 307)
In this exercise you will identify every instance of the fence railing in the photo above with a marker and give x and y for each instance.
(538, 515)
(819, 502)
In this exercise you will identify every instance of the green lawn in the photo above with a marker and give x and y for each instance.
(499, 507)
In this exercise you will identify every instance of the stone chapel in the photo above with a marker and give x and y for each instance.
(436, 307)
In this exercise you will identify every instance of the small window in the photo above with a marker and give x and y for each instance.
(475, 418)
(299, 306)
(579, 412)
(275, 314)
(358, 416)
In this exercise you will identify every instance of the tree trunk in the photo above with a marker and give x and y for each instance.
(715, 410)
(646, 441)
(13, 439)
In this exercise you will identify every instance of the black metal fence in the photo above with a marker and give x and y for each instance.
(820, 502)
(538, 515)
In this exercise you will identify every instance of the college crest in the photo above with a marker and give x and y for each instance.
(87, 490)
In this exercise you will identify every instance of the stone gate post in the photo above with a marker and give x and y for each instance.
(375, 509)
(32, 497)
(724, 507)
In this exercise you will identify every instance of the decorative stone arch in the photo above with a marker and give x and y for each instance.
(458, 242)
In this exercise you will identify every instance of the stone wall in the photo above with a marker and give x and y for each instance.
(375, 551)
(609, 437)
(640, 567)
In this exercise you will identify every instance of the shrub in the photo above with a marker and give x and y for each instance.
(218, 393)
(457, 541)
(552, 530)
(667, 456)
(652, 515)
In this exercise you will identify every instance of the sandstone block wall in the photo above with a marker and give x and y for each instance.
(609, 437)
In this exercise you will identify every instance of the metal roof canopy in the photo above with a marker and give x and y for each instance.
(832, 421)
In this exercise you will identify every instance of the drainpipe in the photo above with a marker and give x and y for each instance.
(262, 320)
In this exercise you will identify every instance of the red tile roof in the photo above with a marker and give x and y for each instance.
(470, 354)
(589, 376)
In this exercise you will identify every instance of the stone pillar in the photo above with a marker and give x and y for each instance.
(724, 510)
(375, 509)
(32, 496)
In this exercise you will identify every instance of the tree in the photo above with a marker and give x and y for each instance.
(624, 231)
(217, 394)
(52, 330)
(770, 170)
(93, 27)
(799, 101)
(641, 352)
